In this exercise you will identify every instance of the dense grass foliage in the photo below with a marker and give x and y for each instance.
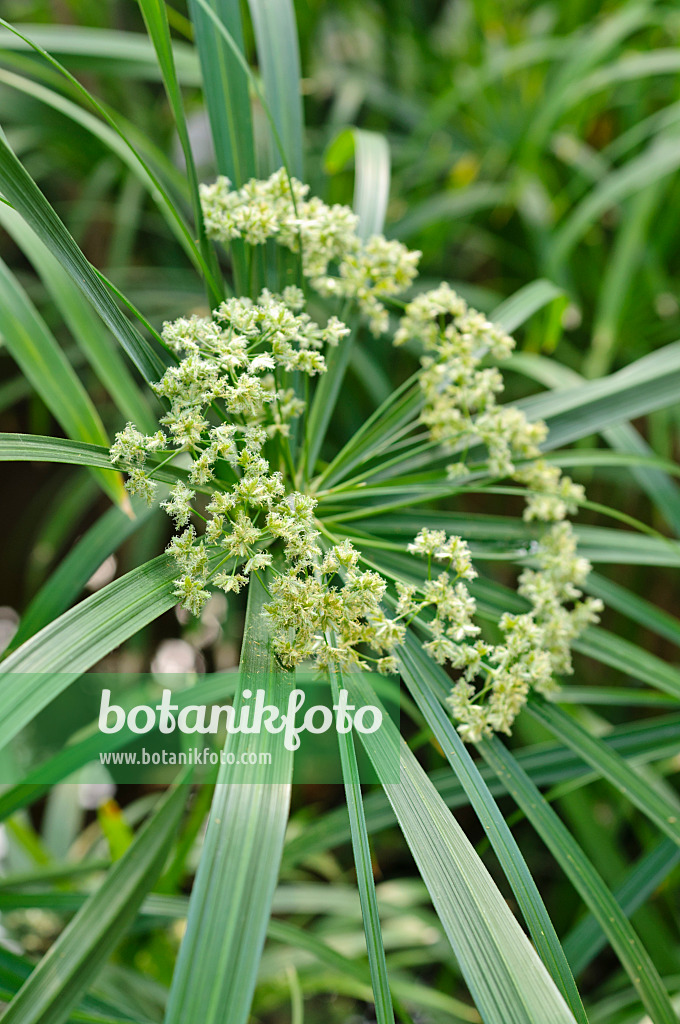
(530, 152)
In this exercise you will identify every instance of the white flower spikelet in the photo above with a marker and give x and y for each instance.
(535, 644)
(461, 406)
(334, 258)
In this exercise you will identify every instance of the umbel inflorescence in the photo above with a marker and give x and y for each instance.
(238, 418)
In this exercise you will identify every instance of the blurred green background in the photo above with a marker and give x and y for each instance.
(528, 140)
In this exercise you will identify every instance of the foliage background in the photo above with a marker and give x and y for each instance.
(528, 140)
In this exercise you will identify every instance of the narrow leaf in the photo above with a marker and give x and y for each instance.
(19, 188)
(42, 667)
(587, 939)
(232, 895)
(418, 671)
(37, 448)
(516, 310)
(371, 177)
(279, 60)
(627, 781)
(56, 985)
(545, 764)
(626, 944)
(371, 193)
(226, 89)
(42, 361)
(364, 869)
(91, 335)
(506, 978)
(156, 18)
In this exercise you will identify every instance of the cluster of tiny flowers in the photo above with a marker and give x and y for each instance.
(231, 360)
(228, 370)
(329, 610)
(325, 608)
(461, 385)
(496, 679)
(334, 258)
(230, 413)
(461, 407)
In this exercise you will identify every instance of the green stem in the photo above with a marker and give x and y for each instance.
(160, 465)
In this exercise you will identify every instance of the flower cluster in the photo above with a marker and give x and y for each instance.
(334, 258)
(535, 644)
(331, 611)
(229, 369)
(229, 419)
(461, 407)
(461, 385)
(326, 610)
(226, 403)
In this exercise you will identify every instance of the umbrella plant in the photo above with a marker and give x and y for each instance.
(355, 550)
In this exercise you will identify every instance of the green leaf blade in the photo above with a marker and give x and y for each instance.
(506, 978)
(279, 59)
(610, 766)
(364, 869)
(40, 358)
(566, 851)
(232, 895)
(56, 985)
(23, 193)
(418, 671)
(43, 666)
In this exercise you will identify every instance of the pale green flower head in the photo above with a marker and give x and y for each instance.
(234, 406)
